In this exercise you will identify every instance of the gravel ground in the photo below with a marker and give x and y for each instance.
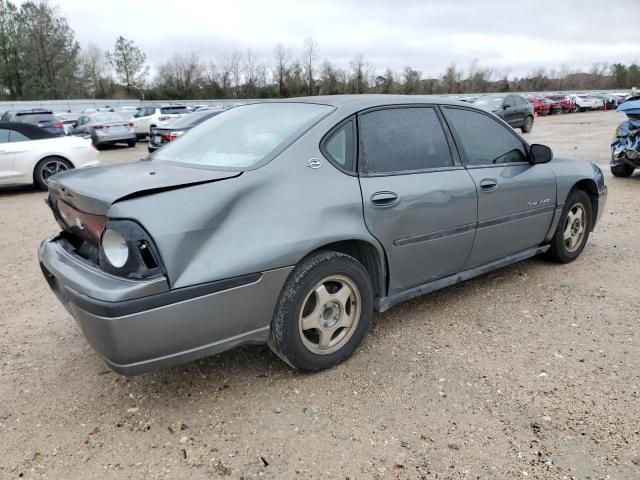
(528, 372)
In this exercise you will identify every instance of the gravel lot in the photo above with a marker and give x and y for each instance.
(528, 372)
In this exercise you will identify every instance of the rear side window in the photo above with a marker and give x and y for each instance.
(4, 135)
(484, 141)
(339, 147)
(35, 117)
(173, 110)
(17, 137)
(402, 139)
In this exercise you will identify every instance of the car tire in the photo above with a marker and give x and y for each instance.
(622, 170)
(336, 320)
(132, 143)
(527, 126)
(47, 167)
(573, 228)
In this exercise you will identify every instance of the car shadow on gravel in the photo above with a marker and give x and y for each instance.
(19, 189)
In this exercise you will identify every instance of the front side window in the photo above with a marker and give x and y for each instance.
(243, 136)
(339, 146)
(483, 140)
(402, 139)
(174, 110)
(4, 135)
(17, 137)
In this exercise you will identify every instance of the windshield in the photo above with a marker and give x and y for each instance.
(192, 119)
(242, 136)
(489, 103)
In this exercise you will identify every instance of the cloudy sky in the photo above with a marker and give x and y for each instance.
(515, 36)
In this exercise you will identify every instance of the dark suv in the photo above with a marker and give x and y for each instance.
(44, 119)
(513, 109)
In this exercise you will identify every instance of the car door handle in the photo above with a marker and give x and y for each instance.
(384, 199)
(488, 184)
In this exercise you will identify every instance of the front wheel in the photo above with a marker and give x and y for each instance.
(572, 232)
(622, 170)
(131, 143)
(323, 313)
(48, 167)
(528, 124)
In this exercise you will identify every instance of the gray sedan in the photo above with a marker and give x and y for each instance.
(291, 222)
(105, 129)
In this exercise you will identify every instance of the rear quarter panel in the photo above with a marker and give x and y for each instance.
(264, 219)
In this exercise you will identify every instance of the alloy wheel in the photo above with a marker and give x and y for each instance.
(574, 227)
(330, 314)
(51, 168)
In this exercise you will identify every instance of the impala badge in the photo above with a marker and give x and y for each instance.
(314, 163)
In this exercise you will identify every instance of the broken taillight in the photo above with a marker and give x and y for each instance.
(85, 225)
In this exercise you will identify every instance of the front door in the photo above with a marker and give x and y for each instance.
(7, 158)
(516, 199)
(418, 202)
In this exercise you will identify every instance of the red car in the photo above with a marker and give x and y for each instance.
(565, 102)
(539, 107)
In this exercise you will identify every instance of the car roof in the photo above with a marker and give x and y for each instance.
(363, 101)
(28, 130)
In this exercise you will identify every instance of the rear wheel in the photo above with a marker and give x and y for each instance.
(622, 170)
(527, 126)
(131, 143)
(323, 313)
(48, 167)
(572, 232)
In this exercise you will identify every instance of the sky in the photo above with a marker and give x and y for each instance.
(509, 36)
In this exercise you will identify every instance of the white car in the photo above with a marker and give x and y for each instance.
(585, 102)
(148, 118)
(29, 154)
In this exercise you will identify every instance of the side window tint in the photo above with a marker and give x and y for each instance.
(339, 147)
(402, 139)
(4, 135)
(17, 137)
(484, 141)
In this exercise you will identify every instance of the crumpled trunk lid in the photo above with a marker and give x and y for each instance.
(94, 190)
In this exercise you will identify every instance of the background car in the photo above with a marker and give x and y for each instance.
(29, 154)
(147, 118)
(554, 106)
(512, 108)
(106, 129)
(539, 107)
(584, 102)
(68, 119)
(625, 147)
(565, 102)
(44, 119)
(178, 127)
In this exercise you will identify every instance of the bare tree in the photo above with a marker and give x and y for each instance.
(282, 57)
(235, 68)
(309, 58)
(95, 70)
(250, 65)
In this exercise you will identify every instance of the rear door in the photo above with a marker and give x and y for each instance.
(516, 199)
(419, 201)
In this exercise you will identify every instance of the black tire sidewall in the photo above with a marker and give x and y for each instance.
(285, 337)
(558, 249)
(527, 128)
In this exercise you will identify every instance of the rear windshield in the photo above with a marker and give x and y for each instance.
(172, 110)
(192, 119)
(489, 103)
(242, 136)
(35, 117)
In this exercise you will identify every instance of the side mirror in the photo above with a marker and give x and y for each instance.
(540, 153)
(506, 107)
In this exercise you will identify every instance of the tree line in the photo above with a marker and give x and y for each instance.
(40, 58)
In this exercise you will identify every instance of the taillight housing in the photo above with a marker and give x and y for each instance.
(98, 127)
(58, 125)
(174, 135)
(141, 259)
